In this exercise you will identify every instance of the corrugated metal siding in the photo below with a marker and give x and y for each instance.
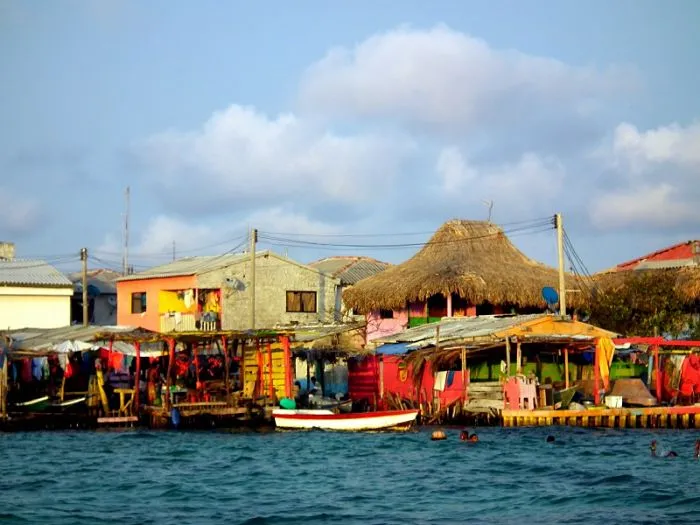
(25, 272)
(189, 266)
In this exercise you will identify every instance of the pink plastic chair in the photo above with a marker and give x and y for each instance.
(519, 394)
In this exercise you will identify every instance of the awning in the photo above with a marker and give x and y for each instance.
(393, 349)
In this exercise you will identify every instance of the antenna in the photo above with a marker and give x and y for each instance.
(125, 256)
(489, 204)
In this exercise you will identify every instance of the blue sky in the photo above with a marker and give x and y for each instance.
(322, 119)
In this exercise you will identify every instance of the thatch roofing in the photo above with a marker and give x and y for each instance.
(686, 280)
(473, 259)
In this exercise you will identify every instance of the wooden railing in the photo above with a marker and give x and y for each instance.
(172, 322)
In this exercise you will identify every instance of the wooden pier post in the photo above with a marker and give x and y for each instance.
(566, 368)
(287, 366)
(518, 358)
(224, 346)
(137, 378)
(169, 376)
(596, 376)
(507, 357)
(464, 376)
(657, 367)
(271, 385)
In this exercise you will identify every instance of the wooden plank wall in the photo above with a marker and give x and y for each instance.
(250, 369)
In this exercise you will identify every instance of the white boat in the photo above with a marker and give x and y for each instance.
(327, 420)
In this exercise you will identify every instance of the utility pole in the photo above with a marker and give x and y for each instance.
(253, 241)
(84, 258)
(125, 255)
(560, 249)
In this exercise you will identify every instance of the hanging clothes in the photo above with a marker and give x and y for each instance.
(690, 376)
(116, 361)
(26, 370)
(440, 378)
(606, 349)
(38, 367)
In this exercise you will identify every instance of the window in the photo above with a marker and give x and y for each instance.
(302, 302)
(386, 314)
(138, 302)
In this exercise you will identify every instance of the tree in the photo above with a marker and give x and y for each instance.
(641, 304)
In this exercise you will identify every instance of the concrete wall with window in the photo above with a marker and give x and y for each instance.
(275, 276)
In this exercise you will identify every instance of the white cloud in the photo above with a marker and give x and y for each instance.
(447, 78)
(18, 214)
(666, 144)
(659, 205)
(242, 154)
(655, 178)
(518, 185)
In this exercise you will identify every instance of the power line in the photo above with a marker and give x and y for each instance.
(532, 222)
(297, 243)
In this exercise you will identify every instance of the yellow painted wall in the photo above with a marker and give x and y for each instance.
(250, 368)
(169, 301)
(34, 307)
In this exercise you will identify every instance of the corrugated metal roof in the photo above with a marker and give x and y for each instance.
(661, 265)
(350, 269)
(190, 266)
(103, 280)
(456, 328)
(73, 338)
(27, 272)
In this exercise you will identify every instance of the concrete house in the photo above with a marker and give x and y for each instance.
(213, 292)
(102, 296)
(350, 270)
(33, 294)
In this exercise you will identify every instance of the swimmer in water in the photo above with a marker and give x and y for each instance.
(550, 439)
(669, 454)
(697, 449)
(464, 436)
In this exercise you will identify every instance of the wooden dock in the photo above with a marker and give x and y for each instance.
(652, 417)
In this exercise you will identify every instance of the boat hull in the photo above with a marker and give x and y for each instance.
(312, 419)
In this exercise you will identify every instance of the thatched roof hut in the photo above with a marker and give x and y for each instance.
(473, 259)
(686, 281)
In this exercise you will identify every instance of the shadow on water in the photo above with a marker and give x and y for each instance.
(509, 476)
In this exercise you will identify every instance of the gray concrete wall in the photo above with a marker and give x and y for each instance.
(274, 276)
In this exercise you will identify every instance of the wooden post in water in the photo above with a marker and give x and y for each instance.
(464, 376)
(270, 385)
(227, 367)
(507, 357)
(657, 366)
(287, 366)
(596, 375)
(169, 376)
(566, 368)
(137, 378)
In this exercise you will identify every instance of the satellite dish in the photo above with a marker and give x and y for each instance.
(550, 296)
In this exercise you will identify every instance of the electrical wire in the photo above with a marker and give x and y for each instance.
(530, 222)
(299, 243)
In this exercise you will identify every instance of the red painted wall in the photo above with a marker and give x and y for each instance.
(150, 319)
(363, 382)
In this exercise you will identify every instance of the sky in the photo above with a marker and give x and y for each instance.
(346, 128)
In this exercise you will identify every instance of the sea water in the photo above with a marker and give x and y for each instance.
(509, 476)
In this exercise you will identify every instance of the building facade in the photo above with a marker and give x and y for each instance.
(33, 294)
(214, 292)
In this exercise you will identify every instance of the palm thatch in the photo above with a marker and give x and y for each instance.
(473, 259)
(685, 281)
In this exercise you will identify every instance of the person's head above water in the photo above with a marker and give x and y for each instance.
(550, 439)
(465, 436)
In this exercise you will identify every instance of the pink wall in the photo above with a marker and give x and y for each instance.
(378, 327)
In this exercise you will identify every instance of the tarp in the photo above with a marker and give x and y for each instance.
(393, 349)
(606, 347)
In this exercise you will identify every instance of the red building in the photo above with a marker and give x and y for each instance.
(684, 254)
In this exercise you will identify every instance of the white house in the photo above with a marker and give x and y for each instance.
(33, 294)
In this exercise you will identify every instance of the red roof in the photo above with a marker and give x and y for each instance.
(682, 254)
